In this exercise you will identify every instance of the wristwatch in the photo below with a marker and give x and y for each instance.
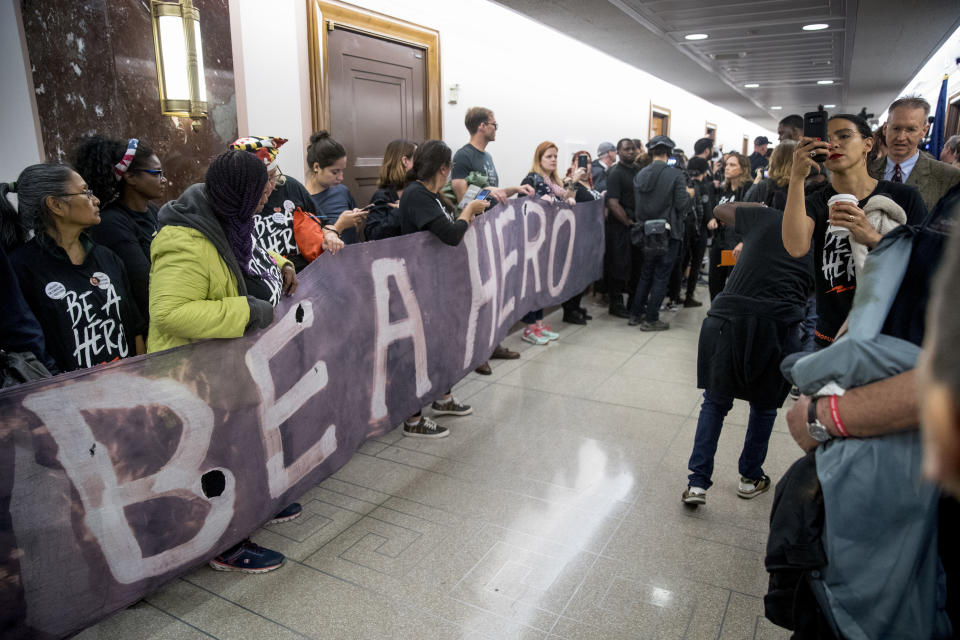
(816, 428)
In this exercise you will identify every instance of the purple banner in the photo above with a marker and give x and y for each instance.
(117, 479)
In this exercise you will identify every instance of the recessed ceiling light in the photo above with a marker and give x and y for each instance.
(829, 106)
(696, 36)
(824, 81)
(776, 108)
(815, 27)
(751, 85)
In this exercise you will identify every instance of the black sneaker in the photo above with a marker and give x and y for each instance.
(691, 302)
(426, 428)
(248, 557)
(694, 496)
(583, 312)
(619, 312)
(574, 317)
(292, 512)
(752, 488)
(634, 321)
(451, 408)
(657, 325)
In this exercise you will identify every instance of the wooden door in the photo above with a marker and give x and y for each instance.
(658, 126)
(376, 95)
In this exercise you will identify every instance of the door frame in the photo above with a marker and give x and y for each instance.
(327, 15)
(657, 110)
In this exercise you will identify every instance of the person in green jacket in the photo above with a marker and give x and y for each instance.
(209, 278)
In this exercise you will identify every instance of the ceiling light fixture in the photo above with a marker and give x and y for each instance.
(815, 27)
(829, 106)
(696, 36)
(751, 85)
(776, 108)
(824, 81)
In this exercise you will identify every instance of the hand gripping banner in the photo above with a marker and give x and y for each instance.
(117, 479)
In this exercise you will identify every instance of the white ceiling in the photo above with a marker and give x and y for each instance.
(870, 50)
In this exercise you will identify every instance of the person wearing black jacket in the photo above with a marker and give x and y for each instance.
(661, 193)
(736, 172)
(127, 178)
(383, 221)
(422, 208)
(694, 232)
(77, 290)
(617, 259)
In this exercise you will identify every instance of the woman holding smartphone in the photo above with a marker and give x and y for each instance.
(736, 174)
(383, 221)
(580, 178)
(809, 220)
(423, 208)
(326, 162)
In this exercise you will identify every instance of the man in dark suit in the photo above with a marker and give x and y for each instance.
(906, 126)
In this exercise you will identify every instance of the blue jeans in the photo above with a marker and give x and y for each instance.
(654, 278)
(714, 409)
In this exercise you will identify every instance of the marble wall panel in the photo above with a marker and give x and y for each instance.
(94, 71)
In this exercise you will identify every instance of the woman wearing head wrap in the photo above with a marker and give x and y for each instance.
(211, 279)
(288, 224)
(127, 178)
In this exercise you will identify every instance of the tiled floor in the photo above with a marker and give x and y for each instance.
(553, 512)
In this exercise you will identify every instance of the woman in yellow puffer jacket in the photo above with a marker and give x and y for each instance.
(209, 278)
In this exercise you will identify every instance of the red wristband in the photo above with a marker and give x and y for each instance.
(835, 414)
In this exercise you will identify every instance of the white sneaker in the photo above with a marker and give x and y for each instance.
(694, 496)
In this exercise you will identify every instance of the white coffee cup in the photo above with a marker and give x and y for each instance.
(840, 232)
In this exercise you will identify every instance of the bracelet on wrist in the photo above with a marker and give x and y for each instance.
(332, 229)
(835, 415)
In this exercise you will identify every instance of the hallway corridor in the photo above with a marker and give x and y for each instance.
(552, 512)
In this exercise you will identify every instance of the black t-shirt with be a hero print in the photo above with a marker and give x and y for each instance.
(86, 311)
(834, 270)
(273, 226)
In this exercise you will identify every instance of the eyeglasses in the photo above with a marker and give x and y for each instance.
(87, 193)
(493, 124)
(279, 178)
(153, 172)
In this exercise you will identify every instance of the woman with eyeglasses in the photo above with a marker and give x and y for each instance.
(809, 220)
(127, 179)
(289, 224)
(77, 289)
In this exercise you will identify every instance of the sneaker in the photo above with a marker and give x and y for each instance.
(691, 302)
(574, 317)
(547, 333)
(634, 321)
(583, 312)
(673, 305)
(292, 512)
(426, 428)
(533, 336)
(694, 496)
(752, 488)
(484, 369)
(451, 408)
(657, 325)
(248, 557)
(619, 312)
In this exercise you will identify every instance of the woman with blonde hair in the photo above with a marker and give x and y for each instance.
(547, 185)
(736, 174)
(383, 221)
(772, 190)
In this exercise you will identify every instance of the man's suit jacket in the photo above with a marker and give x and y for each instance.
(931, 177)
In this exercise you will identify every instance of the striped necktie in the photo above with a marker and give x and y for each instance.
(897, 173)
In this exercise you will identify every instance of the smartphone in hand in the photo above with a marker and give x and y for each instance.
(582, 161)
(815, 126)
(482, 194)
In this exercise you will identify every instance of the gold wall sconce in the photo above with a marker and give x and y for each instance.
(180, 73)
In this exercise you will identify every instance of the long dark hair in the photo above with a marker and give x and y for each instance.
(35, 183)
(862, 127)
(94, 159)
(428, 159)
(323, 150)
(234, 185)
